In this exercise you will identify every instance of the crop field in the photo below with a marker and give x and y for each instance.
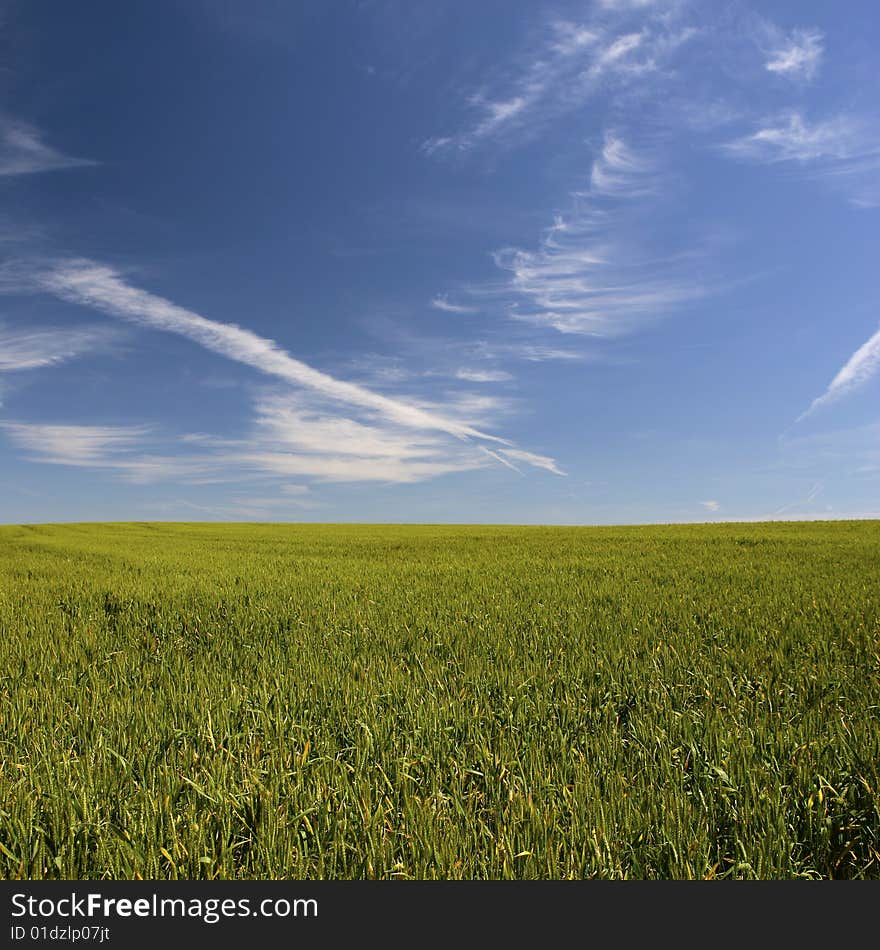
(361, 701)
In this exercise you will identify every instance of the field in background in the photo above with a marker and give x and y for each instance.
(338, 701)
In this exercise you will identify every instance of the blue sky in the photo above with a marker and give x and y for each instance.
(578, 263)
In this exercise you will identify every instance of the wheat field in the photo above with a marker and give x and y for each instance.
(440, 702)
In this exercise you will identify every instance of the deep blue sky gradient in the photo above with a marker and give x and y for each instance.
(367, 185)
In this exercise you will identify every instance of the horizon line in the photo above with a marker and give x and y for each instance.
(454, 524)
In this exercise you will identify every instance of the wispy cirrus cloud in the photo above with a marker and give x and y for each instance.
(606, 299)
(76, 445)
(615, 55)
(528, 352)
(289, 438)
(24, 152)
(567, 66)
(288, 422)
(861, 367)
(844, 151)
(353, 468)
(32, 349)
(540, 461)
(589, 275)
(619, 172)
(378, 437)
(628, 4)
(483, 375)
(441, 302)
(103, 288)
(295, 436)
(134, 453)
(796, 56)
(508, 104)
(789, 138)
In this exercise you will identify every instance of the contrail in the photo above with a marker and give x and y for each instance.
(100, 287)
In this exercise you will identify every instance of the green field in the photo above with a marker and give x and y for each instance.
(339, 701)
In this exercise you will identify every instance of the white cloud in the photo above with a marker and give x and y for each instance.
(568, 65)
(23, 152)
(483, 375)
(499, 112)
(789, 138)
(442, 303)
(300, 434)
(74, 444)
(32, 349)
(436, 144)
(540, 461)
(571, 38)
(620, 173)
(589, 275)
(711, 505)
(324, 448)
(337, 468)
(530, 352)
(626, 4)
(294, 437)
(285, 422)
(616, 51)
(798, 56)
(843, 151)
(861, 367)
(102, 288)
